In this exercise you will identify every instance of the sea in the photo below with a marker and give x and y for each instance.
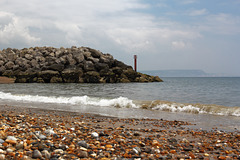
(209, 103)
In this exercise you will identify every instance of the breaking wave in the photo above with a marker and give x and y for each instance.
(123, 102)
(120, 102)
(192, 108)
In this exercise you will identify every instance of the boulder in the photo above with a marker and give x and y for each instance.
(2, 70)
(70, 60)
(92, 77)
(101, 66)
(56, 67)
(87, 54)
(78, 56)
(28, 56)
(107, 59)
(130, 73)
(25, 76)
(88, 66)
(9, 65)
(95, 53)
(117, 70)
(71, 76)
(47, 75)
(120, 64)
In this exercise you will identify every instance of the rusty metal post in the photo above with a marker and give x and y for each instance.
(135, 63)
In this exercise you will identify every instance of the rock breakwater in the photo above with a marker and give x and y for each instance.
(66, 65)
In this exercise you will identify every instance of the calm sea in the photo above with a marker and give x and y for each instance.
(207, 102)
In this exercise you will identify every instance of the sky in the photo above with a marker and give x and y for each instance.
(164, 34)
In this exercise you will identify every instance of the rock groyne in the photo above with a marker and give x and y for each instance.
(66, 65)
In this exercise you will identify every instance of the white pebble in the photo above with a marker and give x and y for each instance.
(94, 135)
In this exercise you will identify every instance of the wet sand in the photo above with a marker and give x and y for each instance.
(30, 133)
(6, 80)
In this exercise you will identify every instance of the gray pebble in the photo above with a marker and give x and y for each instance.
(1, 140)
(37, 154)
(83, 144)
(11, 138)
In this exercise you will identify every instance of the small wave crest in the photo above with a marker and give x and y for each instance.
(120, 102)
(192, 108)
(124, 102)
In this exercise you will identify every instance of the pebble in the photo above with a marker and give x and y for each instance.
(82, 154)
(2, 157)
(95, 135)
(46, 154)
(49, 132)
(83, 144)
(11, 138)
(20, 146)
(42, 137)
(1, 141)
(37, 154)
(9, 150)
(2, 151)
(137, 150)
(58, 151)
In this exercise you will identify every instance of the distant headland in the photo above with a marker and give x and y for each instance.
(184, 73)
(65, 65)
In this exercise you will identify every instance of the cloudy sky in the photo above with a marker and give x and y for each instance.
(165, 34)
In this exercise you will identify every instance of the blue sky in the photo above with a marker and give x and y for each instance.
(165, 34)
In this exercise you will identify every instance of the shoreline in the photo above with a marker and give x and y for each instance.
(33, 133)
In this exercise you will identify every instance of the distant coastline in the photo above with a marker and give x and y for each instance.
(184, 73)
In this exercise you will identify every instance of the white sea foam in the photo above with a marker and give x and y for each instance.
(120, 102)
(123, 102)
(178, 108)
(195, 108)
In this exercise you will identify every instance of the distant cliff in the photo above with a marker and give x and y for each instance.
(66, 65)
(178, 73)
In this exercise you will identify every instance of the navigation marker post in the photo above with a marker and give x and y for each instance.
(135, 63)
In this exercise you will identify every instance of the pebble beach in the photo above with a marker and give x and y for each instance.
(31, 133)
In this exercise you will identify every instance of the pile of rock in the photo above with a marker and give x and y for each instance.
(66, 65)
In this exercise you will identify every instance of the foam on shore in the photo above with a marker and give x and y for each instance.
(124, 102)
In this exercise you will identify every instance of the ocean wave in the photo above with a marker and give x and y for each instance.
(120, 102)
(124, 102)
(192, 108)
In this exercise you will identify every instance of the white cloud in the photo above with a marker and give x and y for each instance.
(222, 24)
(178, 45)
(12, 30)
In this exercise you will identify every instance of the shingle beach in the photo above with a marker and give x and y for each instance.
(30, 133)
